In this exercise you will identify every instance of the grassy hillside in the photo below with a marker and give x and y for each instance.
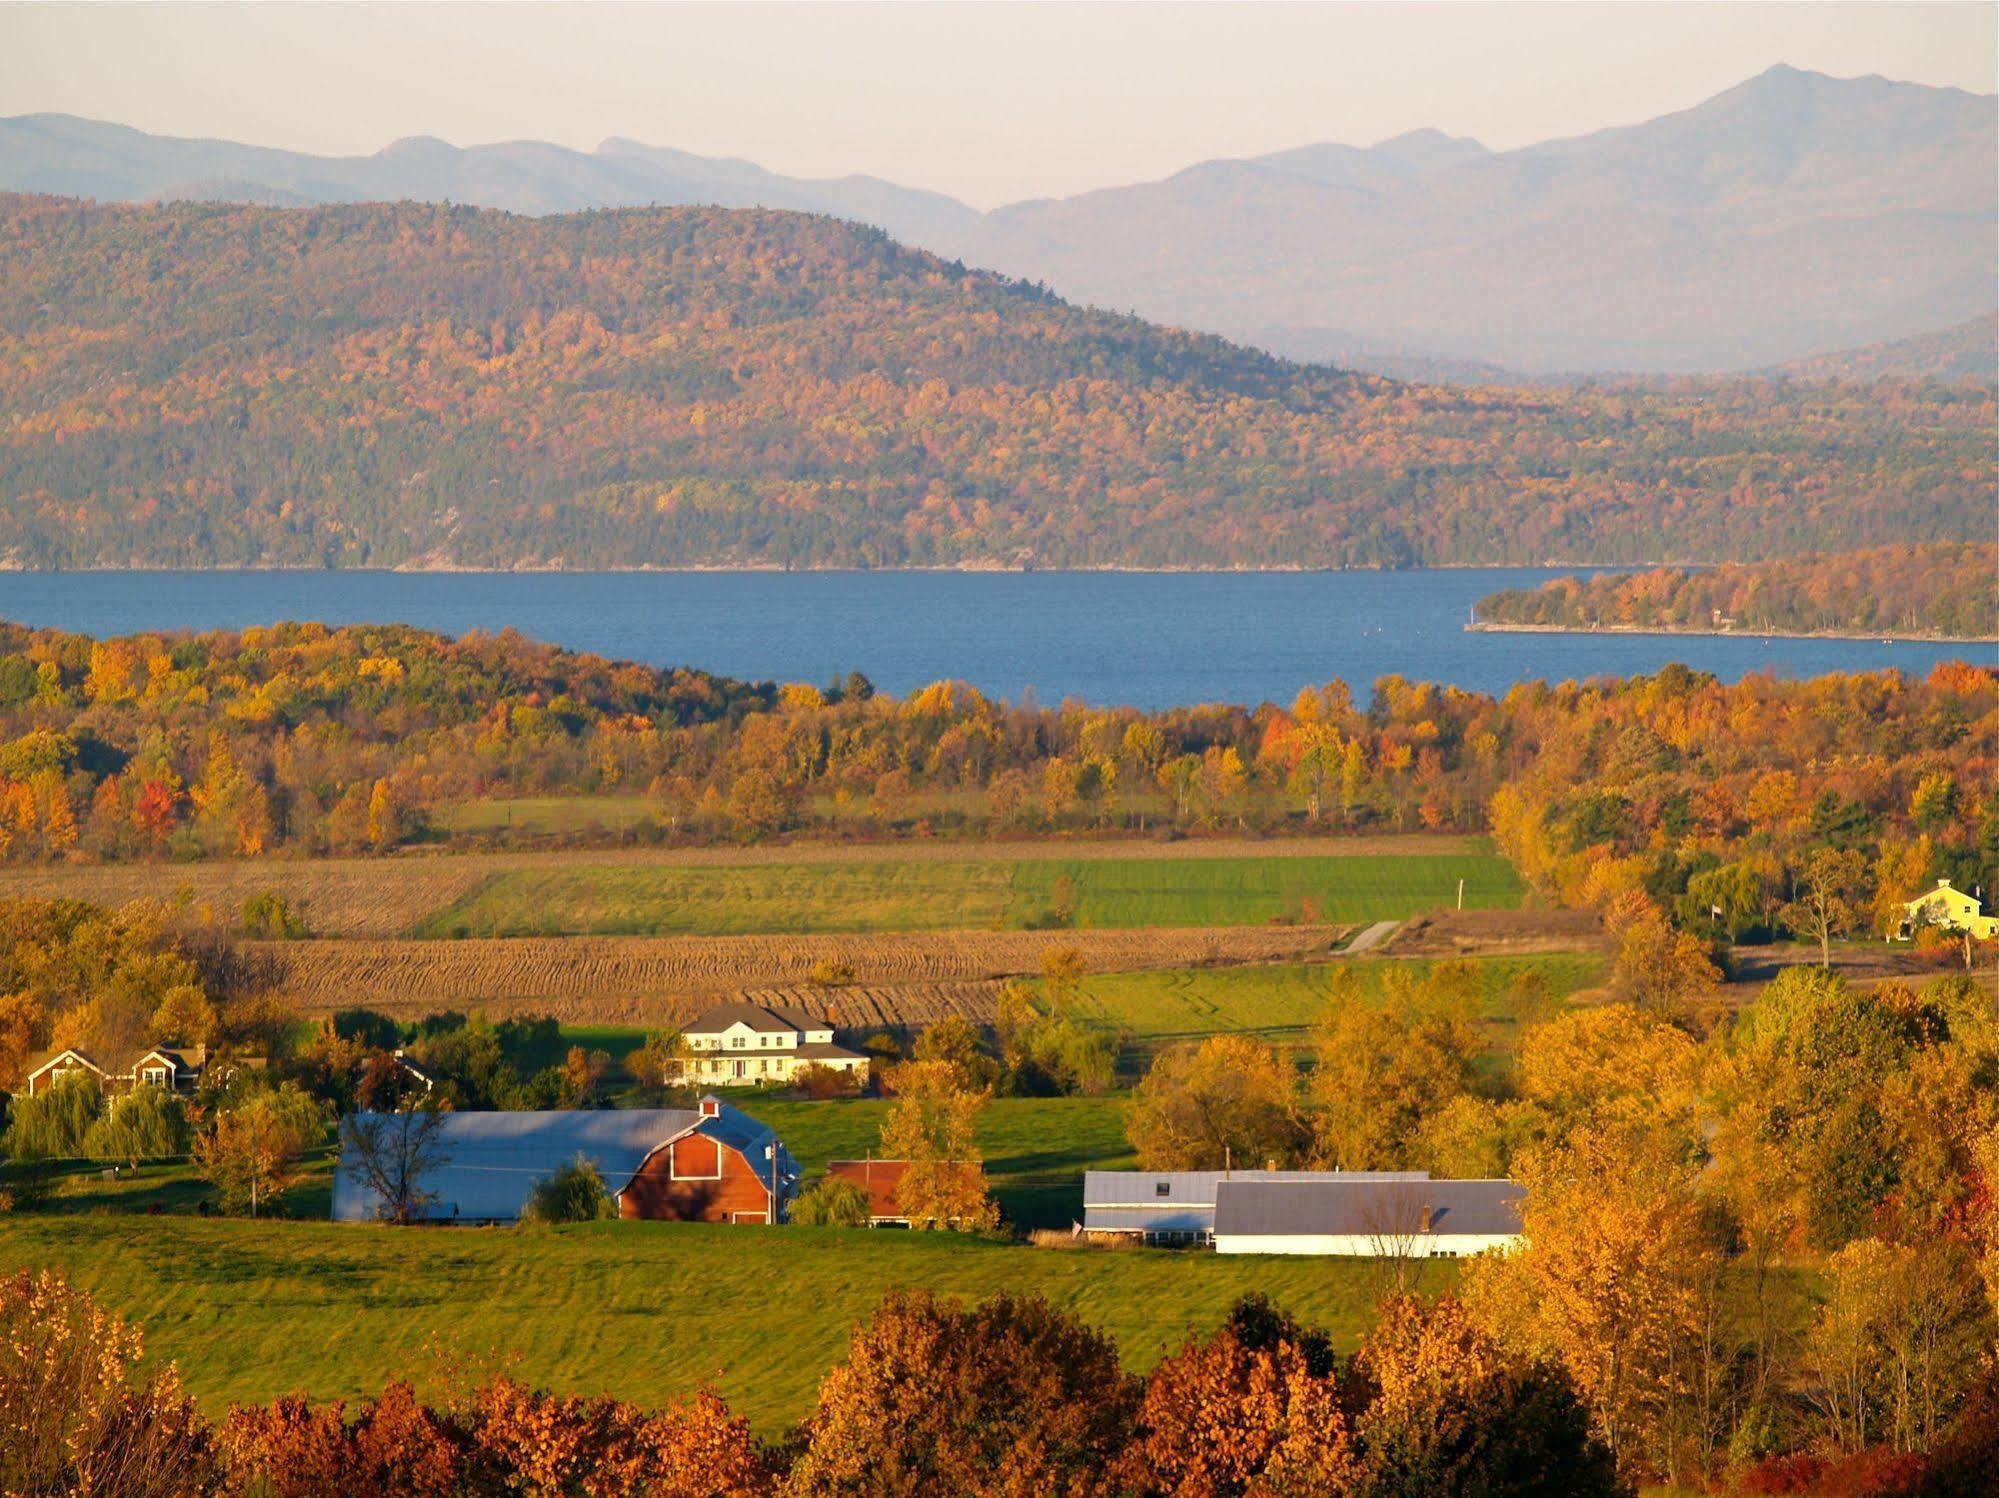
(642, 1310)
(199, 384)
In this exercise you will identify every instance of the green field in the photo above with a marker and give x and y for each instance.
(812, 899)
(645, 1311)
(1281, 1002)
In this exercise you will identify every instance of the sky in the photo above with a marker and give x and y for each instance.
(991, 103)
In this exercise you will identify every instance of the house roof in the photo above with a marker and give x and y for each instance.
(879, 1178)
(120, 1063)
(1363, 1208)
(821, 1050)
(764, 1019)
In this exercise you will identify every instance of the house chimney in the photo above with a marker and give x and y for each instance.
(1429, 1216)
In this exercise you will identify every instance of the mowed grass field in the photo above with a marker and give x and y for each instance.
(645, 1311)
(1281, 1002)
(886, 896)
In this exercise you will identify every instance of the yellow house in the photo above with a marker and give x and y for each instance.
(1951, 909)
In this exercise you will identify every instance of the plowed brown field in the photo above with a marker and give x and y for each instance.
(908, 977)
(377, 897)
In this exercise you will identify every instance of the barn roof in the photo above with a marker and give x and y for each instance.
(1183, 1201)
(1365, 1208)
(493, 1160)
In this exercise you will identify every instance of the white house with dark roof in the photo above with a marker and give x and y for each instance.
(1368, 1219)
(742, 1045)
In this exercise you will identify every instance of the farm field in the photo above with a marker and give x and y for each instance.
(899, 977)
(645, 1311)
(386, 897)
(1280, 1002)
(1098, 893)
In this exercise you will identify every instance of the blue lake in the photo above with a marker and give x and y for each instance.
(1150, 639)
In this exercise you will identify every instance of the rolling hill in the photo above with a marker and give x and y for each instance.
(419, 385)
(1792, 216)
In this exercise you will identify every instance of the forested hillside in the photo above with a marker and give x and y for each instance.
(1947, 590)
(194, 385)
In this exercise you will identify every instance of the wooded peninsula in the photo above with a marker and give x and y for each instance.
(1941, 591)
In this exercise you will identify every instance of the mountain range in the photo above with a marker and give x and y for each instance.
(1792, 216)
(425, 385)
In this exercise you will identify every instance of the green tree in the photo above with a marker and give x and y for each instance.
(574, 1193)
(834, 1202)
(147, 1123)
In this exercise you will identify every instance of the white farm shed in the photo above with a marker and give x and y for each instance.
(1366, 1219)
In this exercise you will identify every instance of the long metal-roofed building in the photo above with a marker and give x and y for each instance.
(1371, 1218)
(1178, 1206)
(711, 1163)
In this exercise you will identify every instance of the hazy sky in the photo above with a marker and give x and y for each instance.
(988, 102)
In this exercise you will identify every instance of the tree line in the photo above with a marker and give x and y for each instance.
(1944, 589)
(194, 384)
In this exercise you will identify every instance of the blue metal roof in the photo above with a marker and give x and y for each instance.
(493, 1160)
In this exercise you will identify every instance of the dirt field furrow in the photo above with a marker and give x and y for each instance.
(666, 979)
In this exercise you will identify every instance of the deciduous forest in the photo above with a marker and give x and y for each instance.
(302, 739)
(1943, 589)
(196, 385)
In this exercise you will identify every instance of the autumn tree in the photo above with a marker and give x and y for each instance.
(1611, 1280)
(1897, 1345)
(1451, 1409)
(1384, 1069)
(1202, 1107)
(252, 1151)
(1254, 1408)
(1010, 1397)
(1828, 898)
(933, 1126)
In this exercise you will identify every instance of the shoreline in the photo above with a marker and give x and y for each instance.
(1887, 637)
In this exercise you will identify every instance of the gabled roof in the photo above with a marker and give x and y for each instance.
(763, 1019)
(1376, 1208)
(121, 1063)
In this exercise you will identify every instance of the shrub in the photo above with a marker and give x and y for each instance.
(822, 1082)
(75, 1417)
(575, 1193)
(832, 1203)
(272, 916)
(831, 973)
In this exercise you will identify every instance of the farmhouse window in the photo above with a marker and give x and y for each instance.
(1163, 1188)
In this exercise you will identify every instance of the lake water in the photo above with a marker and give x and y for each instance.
(1149, 639)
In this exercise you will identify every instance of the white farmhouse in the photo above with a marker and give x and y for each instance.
(743, 1045)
